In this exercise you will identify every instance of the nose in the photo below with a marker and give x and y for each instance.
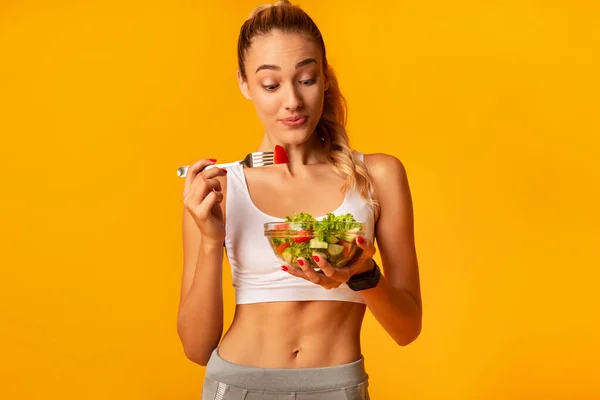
(293, 101)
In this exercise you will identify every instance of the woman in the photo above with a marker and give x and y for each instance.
(296, 332)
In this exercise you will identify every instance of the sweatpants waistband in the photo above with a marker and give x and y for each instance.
(285, 379)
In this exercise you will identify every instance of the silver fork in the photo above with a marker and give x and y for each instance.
(256, 159)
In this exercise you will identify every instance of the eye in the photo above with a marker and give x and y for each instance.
(270, 88)
(308, 82)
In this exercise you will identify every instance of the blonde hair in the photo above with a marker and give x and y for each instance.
(331, 128)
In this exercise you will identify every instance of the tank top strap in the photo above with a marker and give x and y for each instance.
(235, 177)
(359, 155)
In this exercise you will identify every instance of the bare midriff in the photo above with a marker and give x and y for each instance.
(303, 334)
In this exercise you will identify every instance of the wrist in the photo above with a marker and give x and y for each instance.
(365, 280)
(367, 266)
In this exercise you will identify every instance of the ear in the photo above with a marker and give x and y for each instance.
(326, 78)
(243, 85)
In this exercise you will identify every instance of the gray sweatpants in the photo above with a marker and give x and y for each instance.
(228, 381)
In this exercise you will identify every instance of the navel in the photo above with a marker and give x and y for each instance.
(296, 352)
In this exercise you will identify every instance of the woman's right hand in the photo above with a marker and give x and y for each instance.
(202, 198)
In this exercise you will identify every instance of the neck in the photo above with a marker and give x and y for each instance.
(299, 154)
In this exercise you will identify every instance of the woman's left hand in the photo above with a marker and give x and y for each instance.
(330, 277)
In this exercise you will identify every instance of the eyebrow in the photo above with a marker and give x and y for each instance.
(276, 68)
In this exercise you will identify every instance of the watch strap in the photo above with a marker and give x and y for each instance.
(365, 280)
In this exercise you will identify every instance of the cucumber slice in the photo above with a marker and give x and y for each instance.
(351, 234)
(335, 249)
(332, 239)
(296, 226)
(317, 244)
(349, 238)
(287, 255)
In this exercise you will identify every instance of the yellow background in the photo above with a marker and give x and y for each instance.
(494, 108)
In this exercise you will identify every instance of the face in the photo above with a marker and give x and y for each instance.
(285, 81)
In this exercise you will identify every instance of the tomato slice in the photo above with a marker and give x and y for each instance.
(302, 237)
(282, 247)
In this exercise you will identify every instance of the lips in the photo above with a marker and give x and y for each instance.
(294, 118)
(294, 121)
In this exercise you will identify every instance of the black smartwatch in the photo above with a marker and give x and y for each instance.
(365, 280)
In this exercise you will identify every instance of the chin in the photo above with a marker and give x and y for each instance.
(293, 137)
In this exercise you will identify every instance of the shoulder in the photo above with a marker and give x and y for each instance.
(381, 165)
(387, 171)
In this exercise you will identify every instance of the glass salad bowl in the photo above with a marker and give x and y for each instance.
(333, 237)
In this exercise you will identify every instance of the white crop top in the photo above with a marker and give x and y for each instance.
(256, 271)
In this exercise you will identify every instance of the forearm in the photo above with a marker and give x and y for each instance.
(200, 318)
(395, 309)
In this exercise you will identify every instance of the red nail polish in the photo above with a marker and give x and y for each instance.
(224, 170)
(213, 159)
(284, 268)
(360, 240)
(316, 258)
(300, 263)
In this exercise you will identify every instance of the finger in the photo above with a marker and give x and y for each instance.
(203, 210)
(193, 170)
(310, 273)
(201, 188)
(337, 274)
(206, 181)
(300, 273)
(366, 245)
(210, 173)
(320, 260)
(205, 185)
(297, 272)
